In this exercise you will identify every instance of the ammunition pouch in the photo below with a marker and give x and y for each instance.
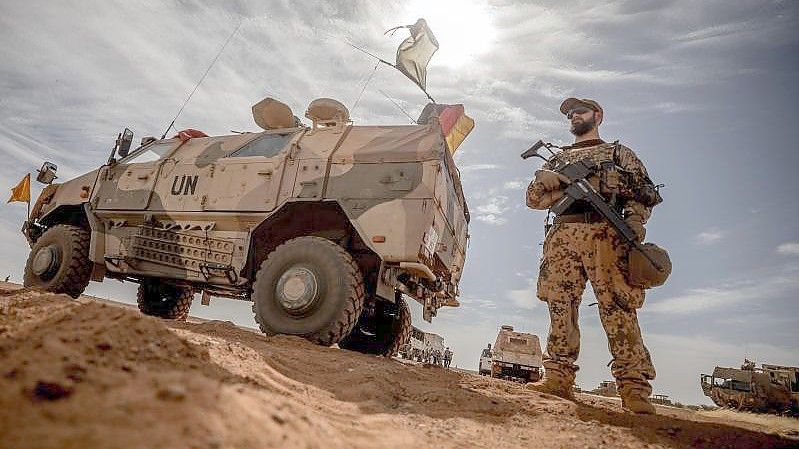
(648, 195)
(642, 272)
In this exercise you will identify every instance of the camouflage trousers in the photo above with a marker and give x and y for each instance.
(573, 254)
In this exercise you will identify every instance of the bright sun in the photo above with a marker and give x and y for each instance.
(463, 28)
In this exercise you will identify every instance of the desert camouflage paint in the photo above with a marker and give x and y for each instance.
(609, 183)
(575, 253)
(187, 210)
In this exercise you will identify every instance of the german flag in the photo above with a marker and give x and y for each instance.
(455, 125)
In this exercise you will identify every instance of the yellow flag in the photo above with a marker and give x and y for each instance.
(22, 192)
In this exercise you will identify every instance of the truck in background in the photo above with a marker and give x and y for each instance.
(516, 356)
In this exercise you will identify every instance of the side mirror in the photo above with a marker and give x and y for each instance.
(123, 142)
(47, 173)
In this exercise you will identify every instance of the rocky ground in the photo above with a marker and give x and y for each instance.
(89, 374)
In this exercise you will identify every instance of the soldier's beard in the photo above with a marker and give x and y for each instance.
(580, 128)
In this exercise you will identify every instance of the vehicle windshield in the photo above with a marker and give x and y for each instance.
(152, 152)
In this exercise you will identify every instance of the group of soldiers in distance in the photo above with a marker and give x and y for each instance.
(428, 355)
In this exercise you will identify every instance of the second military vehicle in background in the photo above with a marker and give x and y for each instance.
(771, 388)
(516, 356)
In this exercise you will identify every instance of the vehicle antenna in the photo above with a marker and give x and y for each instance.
(398, 106)
(376, 57)
(379, 59)
(368, 80)
(202, 78)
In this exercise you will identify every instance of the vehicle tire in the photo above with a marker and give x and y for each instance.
(384, 333)
(164, 300)
(311, 287)
(59, 261)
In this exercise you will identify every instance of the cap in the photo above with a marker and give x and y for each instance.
(571, 103)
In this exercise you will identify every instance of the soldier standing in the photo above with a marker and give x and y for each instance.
(447, 357)
(581, 246)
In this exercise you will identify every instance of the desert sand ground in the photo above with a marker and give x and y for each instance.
(89, 374)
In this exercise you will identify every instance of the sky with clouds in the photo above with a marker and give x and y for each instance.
(704, 92)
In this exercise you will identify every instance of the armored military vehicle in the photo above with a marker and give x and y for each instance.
(324, 227)
(516, 356)
(606, 388)
(771, 388)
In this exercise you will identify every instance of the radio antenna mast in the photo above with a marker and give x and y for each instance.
(196, 86)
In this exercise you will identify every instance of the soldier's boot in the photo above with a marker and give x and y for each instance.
(636, 401)
(555, 384)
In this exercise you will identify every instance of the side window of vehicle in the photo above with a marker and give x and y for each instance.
(268, 145)
(152, 152)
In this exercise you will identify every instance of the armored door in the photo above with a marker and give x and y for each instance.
(128, 184)
(189, 173)
(249, 179)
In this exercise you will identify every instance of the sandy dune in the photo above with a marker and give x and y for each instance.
(89, 374)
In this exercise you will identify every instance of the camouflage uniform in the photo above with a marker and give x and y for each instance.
(577, 252)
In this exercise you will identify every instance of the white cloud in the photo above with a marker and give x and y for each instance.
(717, 31)
(474, 303)
(492, 219)
(709, 237)
(706, 298)
(525, 298)
(491, 211)
(789, 249)
(516, 184)
(477, 167)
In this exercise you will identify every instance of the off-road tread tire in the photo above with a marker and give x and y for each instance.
(175, 308)
(76, 277)
(388, 345)
(404, 334)
(353, 279)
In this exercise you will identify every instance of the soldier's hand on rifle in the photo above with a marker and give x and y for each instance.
(551, 180)
(548, 199)
(637, 225)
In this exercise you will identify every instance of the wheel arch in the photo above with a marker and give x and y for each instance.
(68, 214)
(71, 214)
(325, 219)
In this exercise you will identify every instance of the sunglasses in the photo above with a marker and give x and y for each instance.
(581, 110)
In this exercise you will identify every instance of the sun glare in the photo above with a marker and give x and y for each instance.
(463, 28)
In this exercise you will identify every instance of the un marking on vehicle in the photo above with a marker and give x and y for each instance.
(187, 186)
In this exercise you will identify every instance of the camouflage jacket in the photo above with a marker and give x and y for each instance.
(623, 180)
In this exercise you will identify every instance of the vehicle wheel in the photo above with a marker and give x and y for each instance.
(59, 261)
(164, 300)
(382, 333)
(308, 286)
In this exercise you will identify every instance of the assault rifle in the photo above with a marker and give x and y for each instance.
(580, 189)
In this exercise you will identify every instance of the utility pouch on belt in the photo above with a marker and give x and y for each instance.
(648, 265)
